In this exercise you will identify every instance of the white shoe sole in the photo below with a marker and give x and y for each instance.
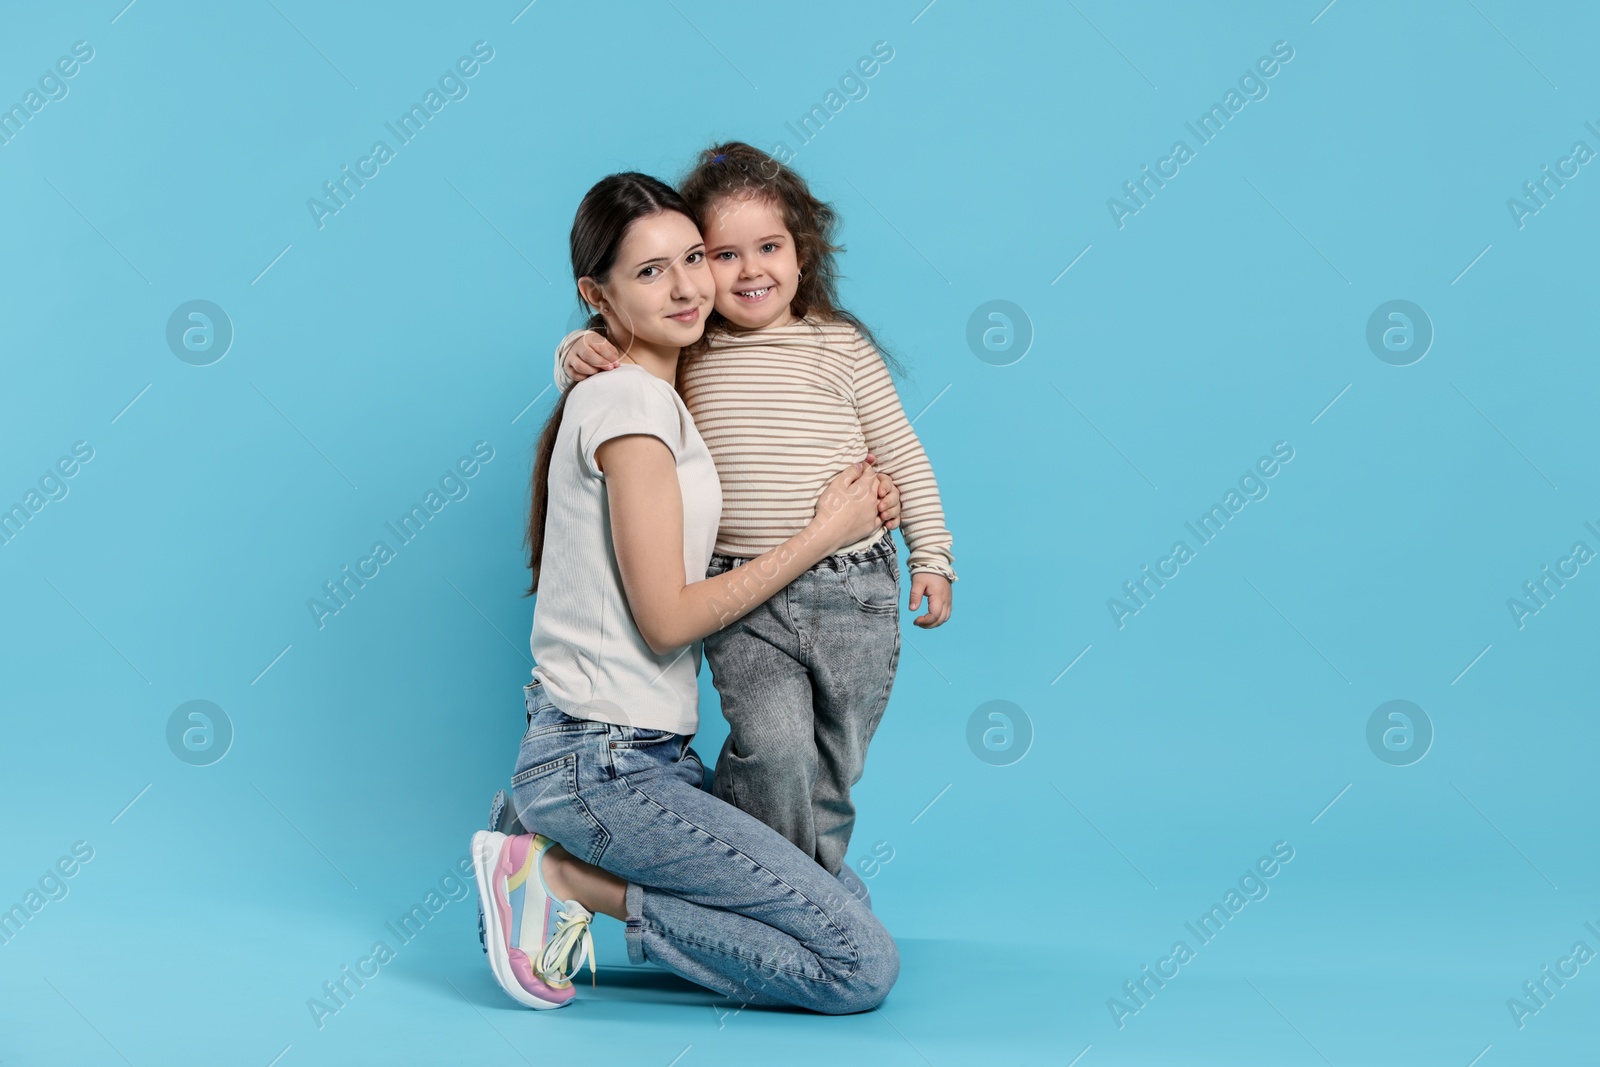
(486, 846)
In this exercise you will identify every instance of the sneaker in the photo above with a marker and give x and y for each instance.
(535, 942)
(502, 817)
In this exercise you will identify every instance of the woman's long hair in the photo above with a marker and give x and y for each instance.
(614, 203)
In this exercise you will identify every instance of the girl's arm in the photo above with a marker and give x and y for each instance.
(582, 353)
(646, 507)
(900, 454)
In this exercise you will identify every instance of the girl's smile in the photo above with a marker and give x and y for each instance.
(754, 296)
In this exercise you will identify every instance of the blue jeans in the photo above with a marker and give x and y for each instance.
(712, 894)
(804, 680)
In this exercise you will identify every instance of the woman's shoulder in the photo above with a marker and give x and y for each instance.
(627, 399)
(627, 384)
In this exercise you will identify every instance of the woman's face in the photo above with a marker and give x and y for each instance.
(659, 291)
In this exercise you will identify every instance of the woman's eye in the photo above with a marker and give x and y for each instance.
(695, 257)
(646, 272)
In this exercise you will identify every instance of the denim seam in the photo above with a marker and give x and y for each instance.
(731, 785)
(635, 925)
(570, 760)
(843, 935)
(523, 777)
(558, 729)
(882, 701)
(733, 954)
(802, 642)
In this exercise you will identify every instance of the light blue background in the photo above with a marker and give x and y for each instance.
(1225, 316)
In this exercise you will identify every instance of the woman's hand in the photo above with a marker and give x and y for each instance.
(588, 354)
(847, 509)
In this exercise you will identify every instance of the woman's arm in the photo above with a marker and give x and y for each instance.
(646, 507)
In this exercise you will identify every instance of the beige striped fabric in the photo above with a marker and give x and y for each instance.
(785, 409)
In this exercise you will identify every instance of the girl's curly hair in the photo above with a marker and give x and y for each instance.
(732, 170)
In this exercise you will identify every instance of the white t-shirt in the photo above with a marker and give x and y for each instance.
(591, 657)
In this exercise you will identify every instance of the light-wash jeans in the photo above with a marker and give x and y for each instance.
(713, 894)
(804, 680)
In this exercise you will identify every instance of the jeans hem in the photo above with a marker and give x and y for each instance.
(633, 904)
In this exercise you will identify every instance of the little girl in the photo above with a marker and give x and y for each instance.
(786, 388)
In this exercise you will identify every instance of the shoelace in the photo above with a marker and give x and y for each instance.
(571, 936)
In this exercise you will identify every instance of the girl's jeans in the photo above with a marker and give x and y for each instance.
(712, 893)
(804, 679)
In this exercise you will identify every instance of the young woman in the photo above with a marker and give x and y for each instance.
(626, 505)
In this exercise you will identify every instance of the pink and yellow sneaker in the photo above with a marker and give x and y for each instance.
(535, 942)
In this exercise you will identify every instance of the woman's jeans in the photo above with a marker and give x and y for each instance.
(713, 894)
(804, 680)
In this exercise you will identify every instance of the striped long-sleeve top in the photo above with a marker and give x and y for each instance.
(785, 409)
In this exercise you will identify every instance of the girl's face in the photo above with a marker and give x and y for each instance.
(753, 261)
(659, 291)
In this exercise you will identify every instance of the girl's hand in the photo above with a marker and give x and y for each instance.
(937, 589)
(888, 502)
(588, 354)
(847, 509)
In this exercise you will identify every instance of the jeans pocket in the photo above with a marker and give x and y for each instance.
(635, 750)
(874, 585)
(548, 802)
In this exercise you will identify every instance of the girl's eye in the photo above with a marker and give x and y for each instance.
(769, 247)
(724, 255)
